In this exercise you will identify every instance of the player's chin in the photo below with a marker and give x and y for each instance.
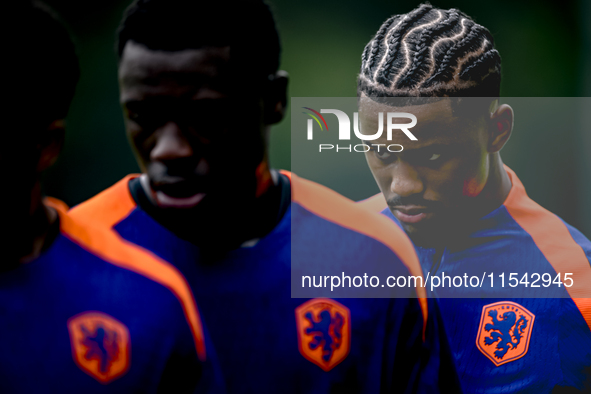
(424, 234)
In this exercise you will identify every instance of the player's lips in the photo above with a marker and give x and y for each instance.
(180, 187)
(411, 213)
(178, 194)
(167, 201)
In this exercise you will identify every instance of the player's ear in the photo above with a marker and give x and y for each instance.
(500, 127)
(51, 143)
(276, 98)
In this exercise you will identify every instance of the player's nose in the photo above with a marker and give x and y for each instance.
(405, 180)
(171, 144)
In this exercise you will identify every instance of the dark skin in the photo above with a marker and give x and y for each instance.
(199, 130)
(29, 152)
(452, 175)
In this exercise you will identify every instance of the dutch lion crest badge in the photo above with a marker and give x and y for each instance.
(100, 345)
(504, 332)
(324, 332)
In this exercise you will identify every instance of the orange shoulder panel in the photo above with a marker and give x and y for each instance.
(108, 207)
(91, 227)
(552, 237)
(375, 203)
(286, 173)
(338, 209)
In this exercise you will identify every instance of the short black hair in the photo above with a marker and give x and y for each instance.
(247, 26)
(44, 68)
(430, 52)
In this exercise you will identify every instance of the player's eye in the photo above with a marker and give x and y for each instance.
(146, 120)
(427, 158)
(134, 116)
(146, 115)
(383, 154)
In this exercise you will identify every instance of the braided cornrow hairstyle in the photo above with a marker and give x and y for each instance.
(430, 52)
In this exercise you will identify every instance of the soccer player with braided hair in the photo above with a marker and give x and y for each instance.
(467, 212)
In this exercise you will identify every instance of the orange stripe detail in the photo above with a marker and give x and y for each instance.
(555, 242)
(286, 173)
(375, 203)
(335, 208)
(95, 214)
(55, 203)
(108, 207)
(264, 179)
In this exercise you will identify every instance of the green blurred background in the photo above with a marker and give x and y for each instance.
(545, 47)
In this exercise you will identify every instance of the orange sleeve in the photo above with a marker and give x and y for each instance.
(552, 237)
(375, 203)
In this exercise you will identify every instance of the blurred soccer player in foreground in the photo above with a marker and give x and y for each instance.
(200, 88)
(81, 311)
(466, 211)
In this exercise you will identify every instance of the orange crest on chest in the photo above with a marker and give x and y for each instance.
(101, 346)
(324, 332)
(504, 332)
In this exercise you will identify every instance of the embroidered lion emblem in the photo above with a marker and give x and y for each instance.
(101, 345)
(508, 326)
(506, 338)
(324, 332)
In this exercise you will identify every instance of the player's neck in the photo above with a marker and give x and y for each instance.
(265, 211)
(30, 236)
(249, 223)
(497, 187)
